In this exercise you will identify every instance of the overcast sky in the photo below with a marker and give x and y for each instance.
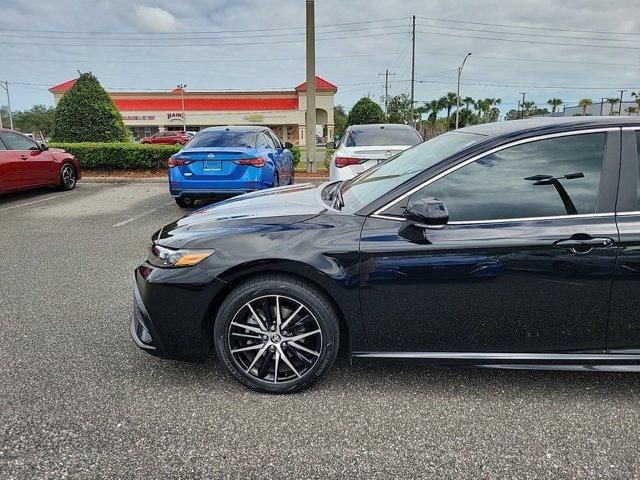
(124, 43)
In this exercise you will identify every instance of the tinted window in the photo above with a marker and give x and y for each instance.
(15, 141)
(558, 176)
(382, 136)
(223, 138)
(275, 139)
(375, 182)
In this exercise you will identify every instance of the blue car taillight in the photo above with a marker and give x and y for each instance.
(177, 160)
(253, 161)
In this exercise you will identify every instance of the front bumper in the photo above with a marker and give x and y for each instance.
(172, 312)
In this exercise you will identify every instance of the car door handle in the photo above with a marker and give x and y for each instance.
(23, 157)
(583, 244)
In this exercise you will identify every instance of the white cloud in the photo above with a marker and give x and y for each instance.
(155, 19)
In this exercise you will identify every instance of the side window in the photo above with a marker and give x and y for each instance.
(264, 139)
(15, 141)
(557, 176)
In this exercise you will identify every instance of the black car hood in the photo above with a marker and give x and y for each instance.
(272, 207)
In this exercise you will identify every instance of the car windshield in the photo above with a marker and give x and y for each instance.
(223, 138)
(370, 137)
(381, 179)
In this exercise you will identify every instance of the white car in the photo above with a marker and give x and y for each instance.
(364, 146)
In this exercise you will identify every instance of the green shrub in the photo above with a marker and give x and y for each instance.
(295, 151)
(86, 113)
(119, 156)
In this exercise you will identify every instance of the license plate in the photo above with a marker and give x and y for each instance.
(213, 165)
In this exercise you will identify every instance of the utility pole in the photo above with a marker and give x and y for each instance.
(458, 94)
(386, 91)
(5, 85)
(311, 88)
(523, 95)
(601, 104)
(182, 86)
(413, 65)
(620, 105)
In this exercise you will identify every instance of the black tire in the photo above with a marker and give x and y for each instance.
(68, 177)
(317, 314)
(185, 202)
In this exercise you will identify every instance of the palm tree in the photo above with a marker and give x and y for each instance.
(554, 103)
(449, 101)
(631, 110)
(485, 107)
(612, 101)
(527, 107)
(584, 104)
(468, 101)
(636, 95)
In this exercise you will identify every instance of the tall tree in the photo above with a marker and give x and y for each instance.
(35, 120)
(449, 101)
(468, 101)
(339, 119)
(399, 109)
(612, 103)
(365, 111)
(527, 107)
(86, 113)
(554, 103)
(584, 104)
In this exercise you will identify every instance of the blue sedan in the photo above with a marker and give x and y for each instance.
(224, 161)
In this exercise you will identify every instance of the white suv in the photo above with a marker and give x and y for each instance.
(364, 146)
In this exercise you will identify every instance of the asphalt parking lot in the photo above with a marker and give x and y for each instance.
(79, 400)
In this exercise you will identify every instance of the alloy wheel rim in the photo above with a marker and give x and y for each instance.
(68, 176)
(275, 339)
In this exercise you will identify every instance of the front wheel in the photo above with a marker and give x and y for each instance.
(185, 202)
(68, 176)
(276, 334)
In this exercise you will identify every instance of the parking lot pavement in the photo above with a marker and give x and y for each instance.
(79, 400)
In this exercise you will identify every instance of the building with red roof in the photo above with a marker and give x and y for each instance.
(147, 112)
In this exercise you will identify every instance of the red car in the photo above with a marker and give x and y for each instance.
(25, 164)
(168, 138)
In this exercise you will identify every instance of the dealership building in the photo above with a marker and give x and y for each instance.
(146, 113)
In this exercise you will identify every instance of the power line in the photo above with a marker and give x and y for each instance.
(527, 27)
(201, 32)
(544, 60)
(40, 37)
(512, 40)
(546, 35)
(155, 45)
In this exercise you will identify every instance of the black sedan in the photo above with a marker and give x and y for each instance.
(513, 244)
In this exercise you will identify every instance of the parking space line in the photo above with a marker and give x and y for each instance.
(137, 217)
(29, 203)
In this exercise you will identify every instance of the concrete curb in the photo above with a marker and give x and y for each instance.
(299, 179)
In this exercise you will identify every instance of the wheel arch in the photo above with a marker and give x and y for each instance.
(296, 270)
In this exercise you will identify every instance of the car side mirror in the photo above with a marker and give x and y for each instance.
(428, 212)
(44, 147)
(288, 145)
(331, 145)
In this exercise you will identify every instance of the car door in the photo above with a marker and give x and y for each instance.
(280, 155)
(624, 321)
(524, 265)
(36, 164)
(10, 165)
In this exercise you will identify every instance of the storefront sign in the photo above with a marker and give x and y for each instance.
(175, 115)
(138, 117)
(254, 117)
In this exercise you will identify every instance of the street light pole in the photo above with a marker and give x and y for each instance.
(182, 86)
(523, 95)
(620, 106)
(311, 88)
(5, 85)
(458, 94)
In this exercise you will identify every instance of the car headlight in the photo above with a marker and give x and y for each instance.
(169, 257)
